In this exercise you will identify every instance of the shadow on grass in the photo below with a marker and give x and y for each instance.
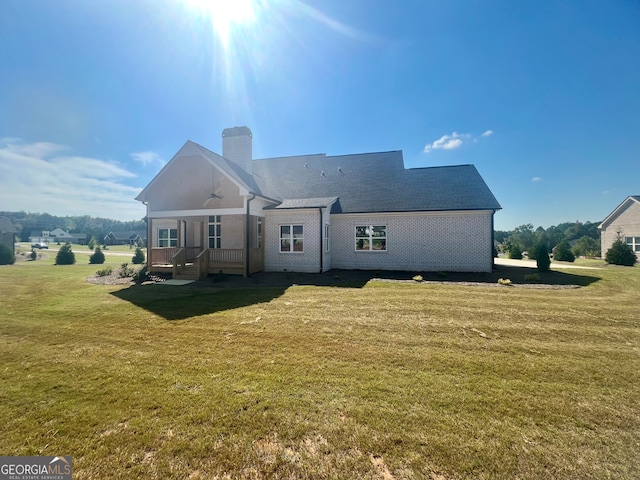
(215, 294)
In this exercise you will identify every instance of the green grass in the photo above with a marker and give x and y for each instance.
(386, 380)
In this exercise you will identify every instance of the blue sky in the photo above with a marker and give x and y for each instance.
(543, 97)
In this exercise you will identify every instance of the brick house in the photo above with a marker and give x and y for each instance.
(624, 220)
(312, 213)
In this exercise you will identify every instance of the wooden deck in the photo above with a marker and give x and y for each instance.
(197, 263)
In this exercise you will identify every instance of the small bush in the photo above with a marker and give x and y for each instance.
(620, 254)
(542, 258)
(138, 257)
(141, 275)
(515, 252)
(33, 255)
(6, 255)
(417, 278)
(65, 255)
(97, 257)
(126, 271)
(504, 281)
(105, 272)
(93, 243)
(563, 253)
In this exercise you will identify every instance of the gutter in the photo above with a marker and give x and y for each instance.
(248, 236)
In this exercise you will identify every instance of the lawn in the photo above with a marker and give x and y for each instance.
(367, 380)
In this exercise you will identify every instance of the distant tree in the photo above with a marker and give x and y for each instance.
(138, 256)
(542, 258)
(586, 247)
(65, 256)
(97, 257)
(33, 255)
(562, 252)
(620, 253)
(6, 255)
(92, 243)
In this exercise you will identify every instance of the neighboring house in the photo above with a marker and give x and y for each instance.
(57, 235)
(311, 213)
(623, 221)
(8, 233)
(124, 238)
(39, 236)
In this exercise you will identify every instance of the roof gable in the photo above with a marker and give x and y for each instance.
(627, 202)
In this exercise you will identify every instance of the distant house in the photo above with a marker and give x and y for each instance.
(124, 238)
(312, 213)
(57, 235)
(623, 221)
(8, 233)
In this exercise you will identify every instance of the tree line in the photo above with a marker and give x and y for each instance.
(96, 227)
(569, 239)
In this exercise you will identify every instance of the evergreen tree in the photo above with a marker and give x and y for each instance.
(620, 253)
(563, 253)
(6, 255)
(515, 252)
(97, 257)
(138, 257)
(542, 258)
(65, 255)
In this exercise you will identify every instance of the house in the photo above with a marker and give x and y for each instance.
(124, 238)
(8, 233)
(312, 213)
(57, 235)
(40, 236)
(623, 221)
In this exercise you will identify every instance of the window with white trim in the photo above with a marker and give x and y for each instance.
(326, 238)
(634, 243)
(167, 237)
(215, 229)
(372, 238)
(291, 238)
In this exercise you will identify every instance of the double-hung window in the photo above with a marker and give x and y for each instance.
(167, 237)
(372, 238)
(291, 238)
(634, 243)
(215, 228)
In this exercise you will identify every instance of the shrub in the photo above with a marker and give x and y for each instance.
(587, 246)
(92, 243)
(504, 281)
(620, 254)
(138, 257)
(105, 272)
(563, 253)
(126, 271)
(97, 257)
(65, 255)
(33, 255)
(417, 278)
(515, 252)
(542, 258)
(6, 255)
(141, 275)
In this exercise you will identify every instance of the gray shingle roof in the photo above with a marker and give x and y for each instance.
(373, 182)
(6, 226)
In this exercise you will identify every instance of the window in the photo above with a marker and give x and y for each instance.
(167, 237)
(326, 238)
(291, 238)
(215, 228)
(371, 238)
(259, 233)
(634, 243)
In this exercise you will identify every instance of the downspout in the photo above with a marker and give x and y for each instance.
(247, 273)
(493, 241)
(321, 244)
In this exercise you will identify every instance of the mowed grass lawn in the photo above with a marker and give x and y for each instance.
(382, 380)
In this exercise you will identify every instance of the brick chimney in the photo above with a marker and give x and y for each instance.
(237, 146)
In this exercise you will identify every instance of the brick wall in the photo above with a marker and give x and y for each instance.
(627, 222)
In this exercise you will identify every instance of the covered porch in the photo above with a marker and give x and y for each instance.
(194, 247)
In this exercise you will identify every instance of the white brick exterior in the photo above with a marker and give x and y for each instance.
(627, 221)
(434, 241)
(307, 261)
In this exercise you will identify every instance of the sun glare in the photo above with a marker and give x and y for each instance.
(225, 14)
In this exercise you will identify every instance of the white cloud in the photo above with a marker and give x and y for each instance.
(446, 142)
(487, 133)
(35, 177)
(536, 179)
(147, 158)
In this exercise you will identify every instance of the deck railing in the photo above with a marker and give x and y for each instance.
(230, 257)
(178, 261)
